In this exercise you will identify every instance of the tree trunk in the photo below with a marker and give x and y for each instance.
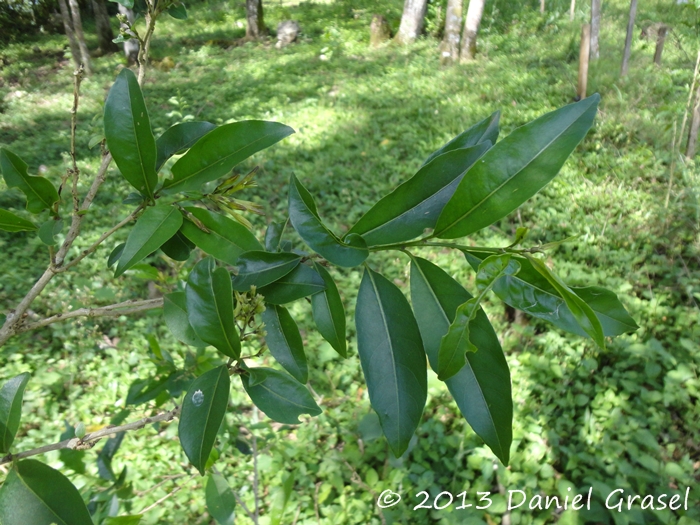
(79, 36)
(628, 39)
(595, 29)
(572, 10)
(660, 40)
(583, 57)
(411, 21)
(131, 46)
(471, 28)
(694, 127)
(68, 27)
(541, 7)
(105, 35)
(254, 15)
(449, 48)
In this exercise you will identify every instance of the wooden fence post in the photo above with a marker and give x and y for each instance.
(583, 60)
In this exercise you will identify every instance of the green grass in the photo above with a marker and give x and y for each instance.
(364, 120)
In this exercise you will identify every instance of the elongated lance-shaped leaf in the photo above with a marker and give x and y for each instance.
(284, 341)
(281, 397)
(220, 150)
(151, 231)
(175, 312)
(482, 387)
(483, 131)
(203, 410)
(306, 221)
(515, 169)
(221, 503)
(10, 222)
(209, 299)
(329, 313)
(302, 281)
(456, 343)
(11, 395)
(392, 358)
(583, 313)
(226, 239)
(39, 191)
(257, 268)
(530, 292)
(37, 494)
(128, 132)
(178, 138)
(416, 204)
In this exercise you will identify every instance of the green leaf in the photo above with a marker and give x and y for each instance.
(49, 230)
(39, 191)
(483, 131)
(104, 458)
(416, 204)
(284, 341)
(179, 138)
(329, 314)
(144, 390)
(515, 169)
(210, 307)
(128, 133)
(258, 268)
(530, 292)
(11, 395)
(178, 247)
(134, 519)
(482, 387)
(304, 217)
(175, 311)
(215, 154)
(178, 11)
(392, 358)
(273, 236)
(115, 254)
(227, 239)
(36, 494)
(129, 4)
(151, 231)
(281, 397)
(10, 222)
(583, 313)
(302, 281)
(221, 503)
(203, 410)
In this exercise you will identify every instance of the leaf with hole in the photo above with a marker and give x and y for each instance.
(39, 191)
(329, 313)
(11, 395)
(284, 341)
(281, 397)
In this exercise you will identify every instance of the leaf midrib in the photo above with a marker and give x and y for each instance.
(138, 142)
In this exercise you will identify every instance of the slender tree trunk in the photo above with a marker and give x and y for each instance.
(584, 51)
(572, 10)
(541, 7)
(79, 36)
(660, 40)
(254, 15)
(628, 39)
(449, 48)
(411, 21)
(68, 27)
(694, 127)
(595, 29)
(131, 46)
(105, 35)
(471, 29)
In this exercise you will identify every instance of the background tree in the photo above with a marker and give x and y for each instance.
(449, 48)
(254, 16)
(105, 35)
(628, 38)
(595, 29)
(131, 45)
(411, 21)
(76, 40)
(471, 29)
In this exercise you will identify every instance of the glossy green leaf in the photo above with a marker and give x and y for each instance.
(302, 281)
(281, 397)
(128, 133)
(209, 300)
(482, 387)
(104, 458)
(36, 494)
(178, 11)
(530, 292)
(515, 169)
(273, 236)
(392, 358)
(221, 503)
(415, 205)
(115, 254)
(10, 222)
(583, 313)
(151, 231)
(215, 154)
(304, 217)
(329, 314)
(203, 410)
(284, 341)
(226, 240)
(39, 191)
(175, 312)
(178, 138)
(483, 131)
(258, 268)
(178, 247)
(11, 395)
(49, 230)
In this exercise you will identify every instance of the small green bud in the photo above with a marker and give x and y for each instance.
(80, 430)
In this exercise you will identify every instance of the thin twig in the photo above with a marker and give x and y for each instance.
(255, 468)
(77, 79)
(159, 484)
